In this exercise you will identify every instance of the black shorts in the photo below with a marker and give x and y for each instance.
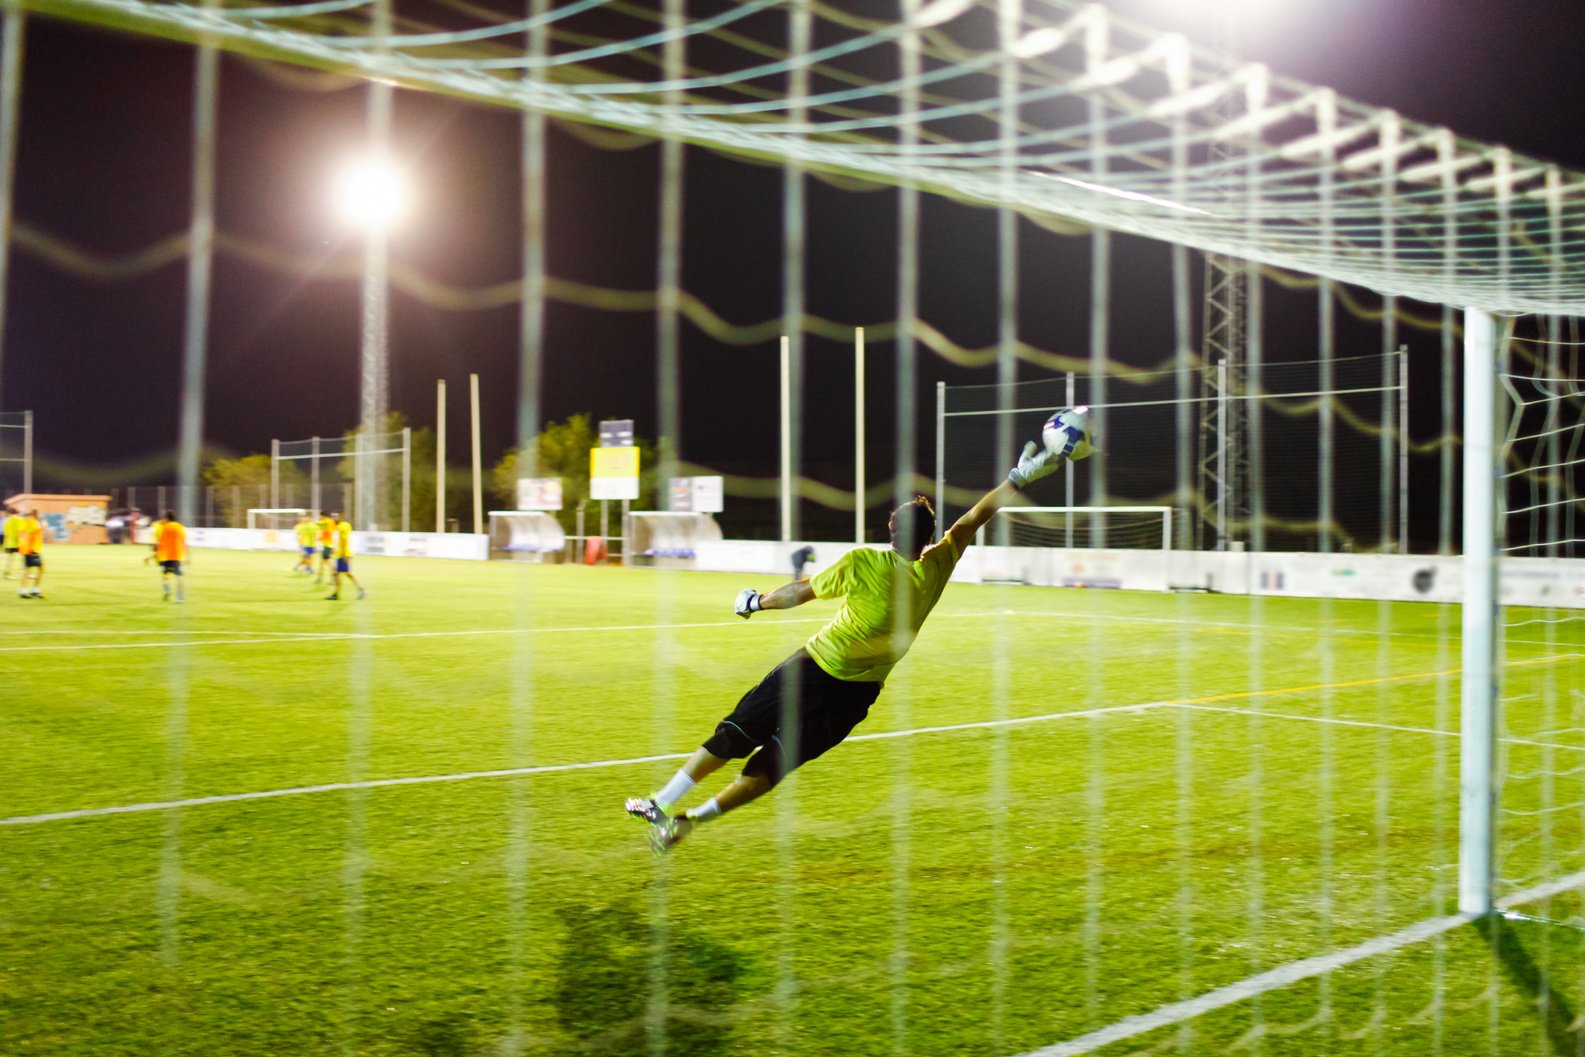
(12, 550)
(171, 567)
(32, 561)
(822, 709)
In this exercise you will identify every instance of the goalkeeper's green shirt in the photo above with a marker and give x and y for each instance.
(885, 600)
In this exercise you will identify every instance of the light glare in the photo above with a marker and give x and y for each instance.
(370, 195)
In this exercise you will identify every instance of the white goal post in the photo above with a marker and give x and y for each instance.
(1079, 546)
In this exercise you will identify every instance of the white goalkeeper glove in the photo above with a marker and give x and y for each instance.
(748, 602)
(1035, 463)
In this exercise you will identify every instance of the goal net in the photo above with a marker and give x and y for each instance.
(1125, 546)
(279, 518)
(1541, 793)
(1328, 432)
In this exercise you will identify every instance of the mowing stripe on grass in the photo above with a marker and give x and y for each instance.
(334, 636)
(330, 787)
(1293, 972)
(1367, 723)
(516, 772)
(257, 638)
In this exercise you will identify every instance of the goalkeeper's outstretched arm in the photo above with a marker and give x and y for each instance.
(1035, 463)
(966, 527)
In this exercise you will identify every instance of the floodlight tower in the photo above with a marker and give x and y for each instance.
(372, 198)
(1224, 421)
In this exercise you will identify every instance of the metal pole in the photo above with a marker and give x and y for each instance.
(275, 472)
(27, 452)
(941, 453)
(859, 503)
(786, 440)
(200, 262)
(1403, 449)
(1067, 468)
(1390, 136)
(10, 94)
(1222, 425)
(313, 476)
(1478, 725)
(478, 457)
(440, 455)
(1445, 153)
(407, 475)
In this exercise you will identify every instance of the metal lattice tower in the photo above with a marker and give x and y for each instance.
(1224, 422)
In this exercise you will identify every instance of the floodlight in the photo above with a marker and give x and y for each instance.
(370, 194)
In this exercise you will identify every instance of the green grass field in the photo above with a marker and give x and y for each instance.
(1286, 789)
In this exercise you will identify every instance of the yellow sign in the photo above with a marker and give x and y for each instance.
(613, 462)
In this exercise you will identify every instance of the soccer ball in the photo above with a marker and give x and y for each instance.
(1068, 433)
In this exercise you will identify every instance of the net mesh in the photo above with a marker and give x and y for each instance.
(1231, 819)
(1542, 473)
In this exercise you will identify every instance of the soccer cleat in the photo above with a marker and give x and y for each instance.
(645, 808)
(362, 593)
(332, 598)
(667, 834)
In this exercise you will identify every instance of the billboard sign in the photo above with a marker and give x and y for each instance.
(539, 493)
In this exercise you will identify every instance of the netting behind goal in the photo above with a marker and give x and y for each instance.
(1128, 547)
(1322, 424)
(1541, 822)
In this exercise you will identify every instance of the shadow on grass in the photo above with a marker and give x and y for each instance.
(1563, 1032)
(605, 998)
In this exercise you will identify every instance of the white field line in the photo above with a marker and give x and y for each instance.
(1303, 629)
(255, 638)
(1283, 975)
(516, 772)
(1366, 723)
(32, 632)
(335, 636)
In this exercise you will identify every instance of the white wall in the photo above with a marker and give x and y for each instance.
(1388, 577)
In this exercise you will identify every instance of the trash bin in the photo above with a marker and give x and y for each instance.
(594, 550)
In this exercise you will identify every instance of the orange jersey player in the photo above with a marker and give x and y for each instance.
(170, 550)
(30, 544)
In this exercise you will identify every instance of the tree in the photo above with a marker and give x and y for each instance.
(562, 450)
(244, 483)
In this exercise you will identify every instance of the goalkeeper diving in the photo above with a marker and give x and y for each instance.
(814, 699)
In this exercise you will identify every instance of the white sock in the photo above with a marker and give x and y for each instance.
(674, 790)
(705, 811)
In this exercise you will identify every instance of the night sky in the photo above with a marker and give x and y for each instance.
(104, 163)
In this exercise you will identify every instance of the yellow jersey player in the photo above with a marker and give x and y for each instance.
(30, 544)
(811, 701)
(12, 532)
(343, 549)
(325, 536)
(170, 550)
(306, 531)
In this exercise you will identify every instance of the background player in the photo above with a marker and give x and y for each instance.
(30, 544)
(306, 531)
(814, 699)
(801, 557)
(11, 532)
(170, 550)
(343, 553)
(326, 536)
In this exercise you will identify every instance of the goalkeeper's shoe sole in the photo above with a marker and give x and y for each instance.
(645, 809)
(668, 834)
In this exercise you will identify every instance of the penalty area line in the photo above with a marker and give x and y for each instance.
(520, 772)
(1249, 987)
